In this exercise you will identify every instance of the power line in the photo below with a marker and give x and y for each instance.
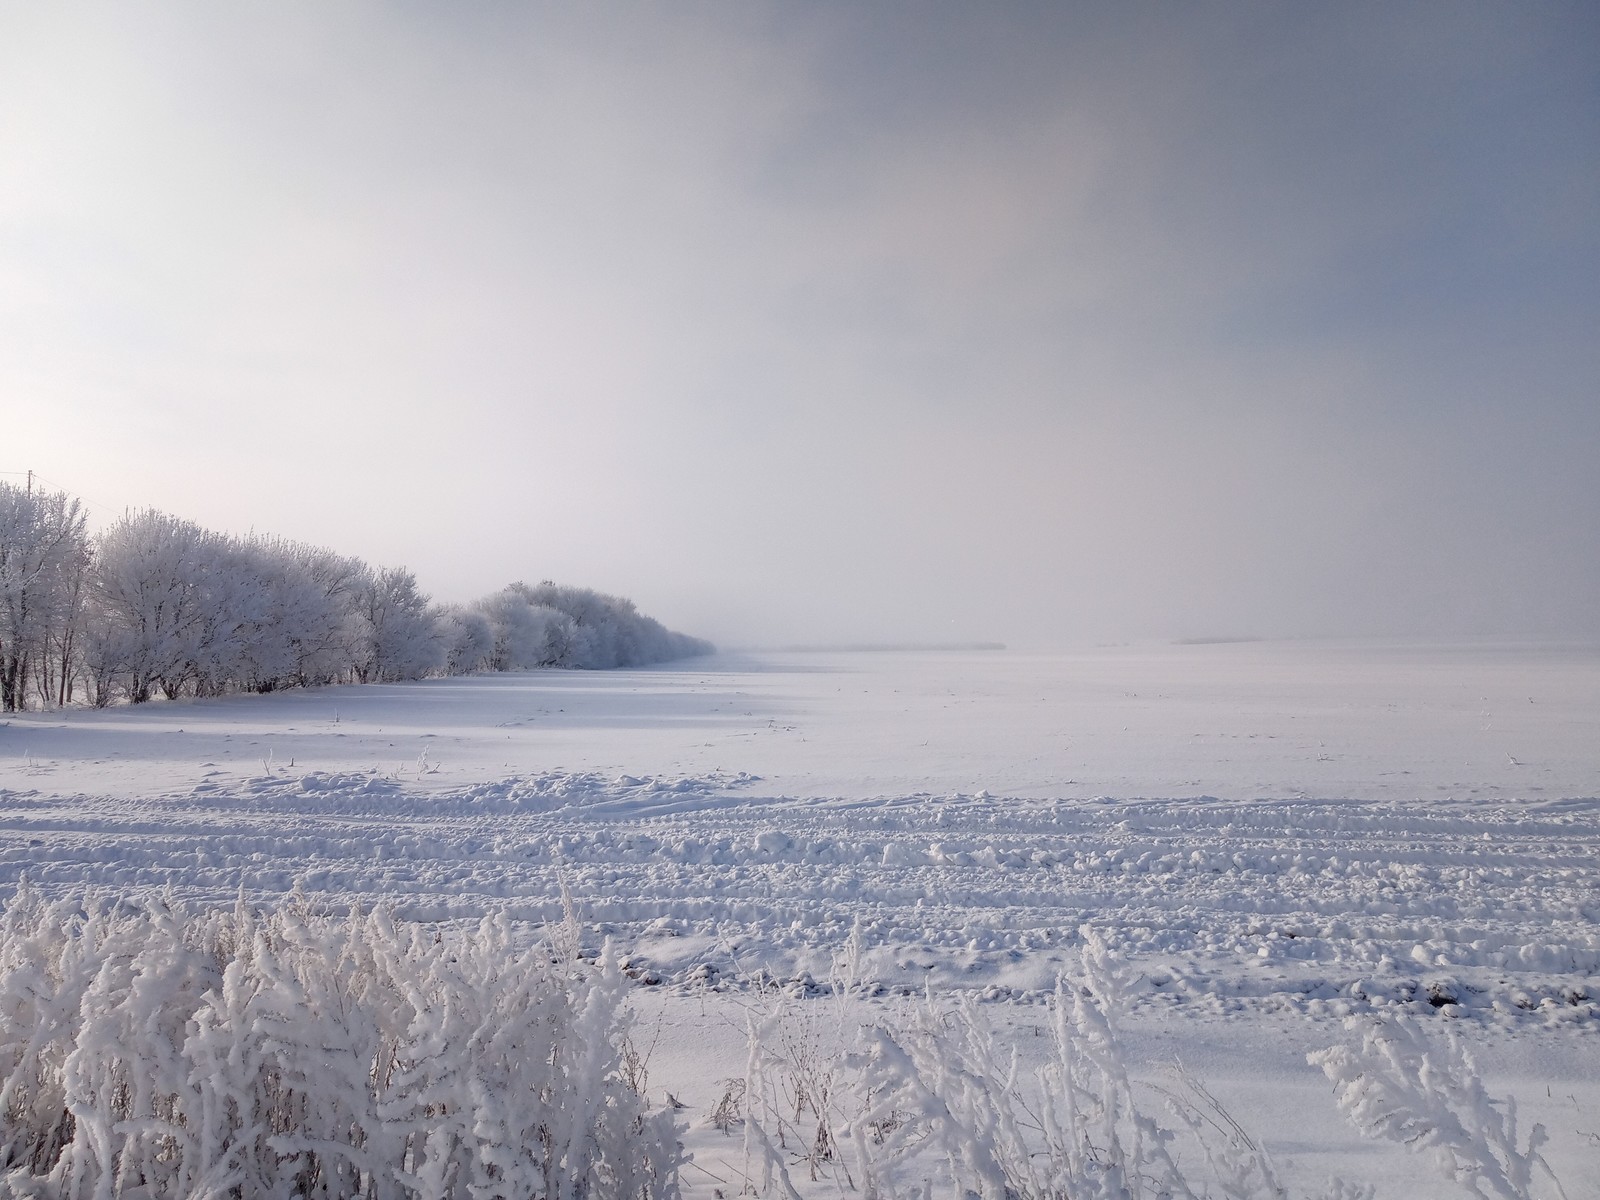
(89, 500)
(103, 508)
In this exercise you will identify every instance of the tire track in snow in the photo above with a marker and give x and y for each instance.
(1488, 911)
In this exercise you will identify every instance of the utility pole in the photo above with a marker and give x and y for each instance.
(30, 483)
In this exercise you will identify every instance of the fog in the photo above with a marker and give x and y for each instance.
(804, 323)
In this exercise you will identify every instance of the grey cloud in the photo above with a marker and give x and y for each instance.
(1018, 322)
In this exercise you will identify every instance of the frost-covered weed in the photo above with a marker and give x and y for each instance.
(940, 1102)
(948, 1099)
(1426, 1095)
(945, 1105)
(793, 1088)
(149, 1051)
(797, 1087)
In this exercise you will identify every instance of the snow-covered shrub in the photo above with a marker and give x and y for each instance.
(947, 1086)
(793, 1095)
(944, 1100)
(149, 1051)
(1427, 1095)
(940, 1105)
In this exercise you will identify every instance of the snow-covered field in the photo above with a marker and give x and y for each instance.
(1276, 836)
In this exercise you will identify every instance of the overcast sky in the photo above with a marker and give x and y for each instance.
(810, 322)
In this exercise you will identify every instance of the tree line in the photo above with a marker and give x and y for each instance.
(156, 605)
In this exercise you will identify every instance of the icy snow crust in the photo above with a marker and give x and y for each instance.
(1275, 836)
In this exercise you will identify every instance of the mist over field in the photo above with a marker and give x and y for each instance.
(1031, 324)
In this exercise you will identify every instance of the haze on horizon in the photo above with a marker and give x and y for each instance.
(1010, 322)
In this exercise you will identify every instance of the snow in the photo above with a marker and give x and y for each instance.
(1275, 836)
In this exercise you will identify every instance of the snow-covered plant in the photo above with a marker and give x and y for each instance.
(158, 605)
(469, 640)
(400, 638)
(947, 1102)
(146, 1050)
(177, 608)
(326, 640)
(1239, 1164)
(145, 601)
(600, 631)
(794, 1088)
(797, 1094)
(1427, 1095)
(523, 635)
(43, 554)
(956, 1092)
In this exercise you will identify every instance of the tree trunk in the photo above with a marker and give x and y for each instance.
(11, 698)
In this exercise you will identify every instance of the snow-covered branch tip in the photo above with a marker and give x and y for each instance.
(1427, 1095)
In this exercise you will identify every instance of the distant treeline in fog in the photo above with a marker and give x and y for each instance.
(156, 605)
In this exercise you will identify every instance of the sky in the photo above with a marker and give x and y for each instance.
(801, 323)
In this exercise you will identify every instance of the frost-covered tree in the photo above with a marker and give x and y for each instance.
(235, 642)
(145, 610)
(328, 637)
(608, 631)
(276, 604)
(469, 640)
(400, 638)
(525, 635)
(188, 611)
(271, 613)
(60, 662)
(43, 551)
(157, 604)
